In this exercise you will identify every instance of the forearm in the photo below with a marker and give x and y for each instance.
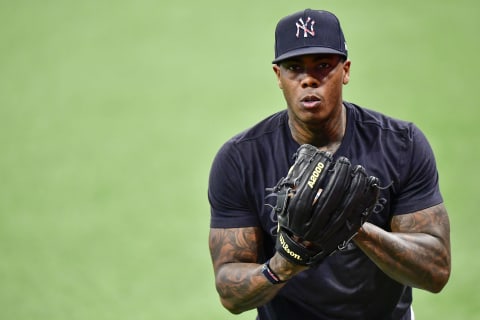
(242, 286)
(415, 259)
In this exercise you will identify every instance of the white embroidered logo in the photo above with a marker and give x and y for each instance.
(304, 26)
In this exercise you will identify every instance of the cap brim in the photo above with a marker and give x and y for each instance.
(305, 51)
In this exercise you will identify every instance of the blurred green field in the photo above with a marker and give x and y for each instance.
(112, 111)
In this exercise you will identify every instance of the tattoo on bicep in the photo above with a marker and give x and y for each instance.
(433, 220)
(234, 245)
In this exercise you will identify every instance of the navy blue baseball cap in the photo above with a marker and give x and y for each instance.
(309, 32)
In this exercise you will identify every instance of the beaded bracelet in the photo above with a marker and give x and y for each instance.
(269, 274)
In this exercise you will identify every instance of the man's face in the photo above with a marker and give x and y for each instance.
(312, 86)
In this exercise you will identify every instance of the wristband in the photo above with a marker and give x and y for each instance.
(270, 275)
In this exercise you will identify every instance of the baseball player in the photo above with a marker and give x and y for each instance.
(325, 210)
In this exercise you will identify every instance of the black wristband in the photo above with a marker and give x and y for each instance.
(270, 275)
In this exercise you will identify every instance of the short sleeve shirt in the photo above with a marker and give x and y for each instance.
(347, 285)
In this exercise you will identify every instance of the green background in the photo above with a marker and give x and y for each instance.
(112, 111)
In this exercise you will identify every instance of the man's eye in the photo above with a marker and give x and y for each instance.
(324, 65)
(293, 67)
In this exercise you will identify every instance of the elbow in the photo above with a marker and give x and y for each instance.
(440, 280)
(229, 298)
(231, 307)
(442, 283)
(228, 301)
(440, 273)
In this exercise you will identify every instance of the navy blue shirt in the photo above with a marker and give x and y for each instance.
(347, 285)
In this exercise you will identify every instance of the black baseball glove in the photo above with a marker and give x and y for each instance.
(321, 205)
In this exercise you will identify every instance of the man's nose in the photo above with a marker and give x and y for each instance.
(310, 80)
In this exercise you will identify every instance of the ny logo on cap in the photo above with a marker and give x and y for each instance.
(304, 26)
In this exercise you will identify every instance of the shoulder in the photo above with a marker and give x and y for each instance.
(261, 139)
(395, 151)
(374, 119)
(244, 167)
(369, 127)
(400, 142)
(264, 129)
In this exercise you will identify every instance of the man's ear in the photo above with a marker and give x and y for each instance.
(276, 69)
(346, 72)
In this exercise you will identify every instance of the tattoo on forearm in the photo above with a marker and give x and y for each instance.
(234, 254)
(418, 252)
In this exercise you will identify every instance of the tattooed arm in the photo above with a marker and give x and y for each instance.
(238, 278)
(416, 252)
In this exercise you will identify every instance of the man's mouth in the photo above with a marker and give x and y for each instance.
(310, 101)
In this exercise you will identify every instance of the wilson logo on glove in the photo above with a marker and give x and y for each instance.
(315, 174)
(287, 249)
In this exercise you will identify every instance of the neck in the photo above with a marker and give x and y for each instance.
(326, 136)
